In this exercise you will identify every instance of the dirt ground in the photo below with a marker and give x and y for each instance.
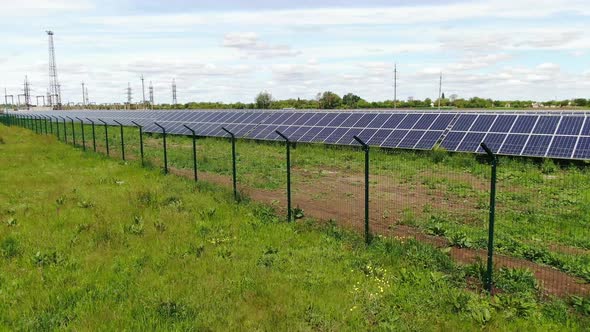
(339, 196)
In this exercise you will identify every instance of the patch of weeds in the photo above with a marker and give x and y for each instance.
(195, 249)
(516, 280)
(208, 214)
(268, 258)
(266, 214)
(224, 252)
(160, 226)
(11, 222)
(135, 228)
(521, 305)
(47, 259)
(2, 140)
(298, 213)
(460, 240)
(82, 227)
(548, 166)
(581, 304)
(147, 198)
(437, 229)
(85, 204)
(171, 310)
(174, 202)
(60, 201)
(9, 247)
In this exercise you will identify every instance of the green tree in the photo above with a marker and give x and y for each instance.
(263, 100)
(351, 100)
(329, 100)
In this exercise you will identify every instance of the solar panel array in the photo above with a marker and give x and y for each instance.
(563, 135)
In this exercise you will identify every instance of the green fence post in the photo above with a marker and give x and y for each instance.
(233, 157)
(73, 131)
(194, 152)
(494, 161)
(83, 136)
(140, 141)
(106, 135)
(288, 144)
(93, 135)
(165, 152)
(65, 129)
(50, 124)
(122, 140)
(57, 127)
(366, 149)
(45, 123)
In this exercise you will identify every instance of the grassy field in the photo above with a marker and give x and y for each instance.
(91, 243)
(543, 207)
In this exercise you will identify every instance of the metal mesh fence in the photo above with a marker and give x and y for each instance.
(542, 239)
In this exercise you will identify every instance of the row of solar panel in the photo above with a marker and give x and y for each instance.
(530, 135)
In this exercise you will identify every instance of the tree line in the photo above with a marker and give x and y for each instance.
(331, 100)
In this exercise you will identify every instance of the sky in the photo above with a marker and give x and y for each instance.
(229, 50)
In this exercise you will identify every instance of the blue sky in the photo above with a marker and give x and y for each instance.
(229, 50)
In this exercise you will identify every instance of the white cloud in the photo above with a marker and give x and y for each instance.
(250, 44)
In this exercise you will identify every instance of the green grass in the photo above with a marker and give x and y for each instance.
(542, 206)
(91, 243)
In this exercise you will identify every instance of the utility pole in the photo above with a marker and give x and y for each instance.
(83, 96)
(143, 90)
(394, 85)
(439, 90)
(174, 101)
(151, 91)
(5, 100)
(87, 99)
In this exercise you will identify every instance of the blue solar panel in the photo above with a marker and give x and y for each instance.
(426, 121)
(546, 125)
(493, 141)
(411, 139)
(464, 122)
(379, 121)
(503, 123)
(409, 121)
(394, 138)
(514, 144)
(452, 141)
(471, 142)
(429, 139)
(524, 124)
(483, 123)
(532, 133)
(583, 148)
(570, 125)
(537, 145)
(562, 146)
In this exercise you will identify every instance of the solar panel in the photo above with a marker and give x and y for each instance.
(563, 134)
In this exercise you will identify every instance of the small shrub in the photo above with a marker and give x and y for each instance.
(47, 259)
(9, 247)
(2, 140)
(548, 166)
(136, 228)
(85, 204)
(298, 213)
(581, 304)
(516, 305)
(160, 226)
(516, 280)
(172, 310)
(11, 222)
(460, 240)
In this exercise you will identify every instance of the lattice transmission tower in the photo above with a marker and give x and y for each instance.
(54, 87)
(174, 101)
(27, 92)
(151, 91)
